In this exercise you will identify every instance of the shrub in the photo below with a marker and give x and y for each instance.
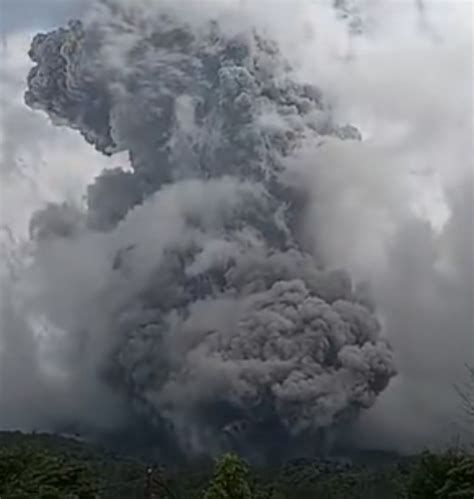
(444, 476)
(29, 471)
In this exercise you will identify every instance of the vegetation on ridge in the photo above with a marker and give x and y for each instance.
(52, 467)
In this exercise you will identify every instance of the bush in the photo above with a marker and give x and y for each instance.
(444, 476)
(460, 480)
(29, 471)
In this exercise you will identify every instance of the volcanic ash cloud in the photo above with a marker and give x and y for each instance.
(185, 285)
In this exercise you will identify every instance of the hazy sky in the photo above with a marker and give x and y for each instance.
(29, 14)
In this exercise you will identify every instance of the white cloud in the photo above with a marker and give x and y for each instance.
(39, 162)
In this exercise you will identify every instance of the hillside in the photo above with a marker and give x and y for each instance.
(365, 475)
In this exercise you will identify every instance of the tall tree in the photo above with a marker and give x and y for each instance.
(231, 479)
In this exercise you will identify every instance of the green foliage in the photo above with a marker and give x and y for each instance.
(268, 491)
(28, 471)
(231, 480)
(357, 484)
(311, 480)
(52, 467)
(444, 476)
(460, 480)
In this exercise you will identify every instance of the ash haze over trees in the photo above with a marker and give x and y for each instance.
(214, 289)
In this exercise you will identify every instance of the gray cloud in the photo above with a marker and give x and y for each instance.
(435, 320)
(204, 221)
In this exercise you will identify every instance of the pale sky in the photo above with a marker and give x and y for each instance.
(29, 14)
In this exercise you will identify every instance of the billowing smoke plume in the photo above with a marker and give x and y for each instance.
(187, 296)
